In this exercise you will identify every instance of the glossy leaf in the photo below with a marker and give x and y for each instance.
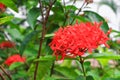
(87, 65)
(15, 34)
(49, 35)
(15, 65)
(80, 78)
(20, 75)
(26, 41)
(83, 78)
(94, 17)
(45, 58)
(32, 16)
(89, 78)
(51, 57)
(10, 4)
(103, 56)
(70, 73)
(43, 70)
(5, 19)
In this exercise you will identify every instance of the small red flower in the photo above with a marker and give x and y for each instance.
(75, 40)
(7, 44)
(2, 7)
(14, 58)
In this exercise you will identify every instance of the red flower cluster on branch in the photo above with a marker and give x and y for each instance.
(75, 40)
(14, 58)
(6, 44)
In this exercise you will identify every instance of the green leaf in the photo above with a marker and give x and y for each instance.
(116, 31)
(112, 79)
(26, 41)
(67, 72)
(71, 8)
(87, 66)
(15, 34)
(103, 56)
(15, 65)
(46, 58)
(83, 78)
(43, 70)
(49, 78)
(80, 78)
(58, 8)
(93, 16)
(32, 16)
(67, 63)
(10, 4)
(50, 57)
(31, 3)
(81, 18)
(89, 78)
(49, 35)
(21, 74)
(5, 19)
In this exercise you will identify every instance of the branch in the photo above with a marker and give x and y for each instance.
(8, 75)
(43, 34)
(2, 77)
(41, 7)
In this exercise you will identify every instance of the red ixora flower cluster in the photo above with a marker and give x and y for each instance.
(6, 44)
(75, 40)
(2, 7)
(14, 58)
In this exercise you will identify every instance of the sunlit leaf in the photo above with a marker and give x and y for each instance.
(49, 35)
(46, 58)
(5, 19)
(103, 56)
(15, 65)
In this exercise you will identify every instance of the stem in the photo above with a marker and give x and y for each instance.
(5, 72)
(43, 33)
(82, 65)
(2, 77)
